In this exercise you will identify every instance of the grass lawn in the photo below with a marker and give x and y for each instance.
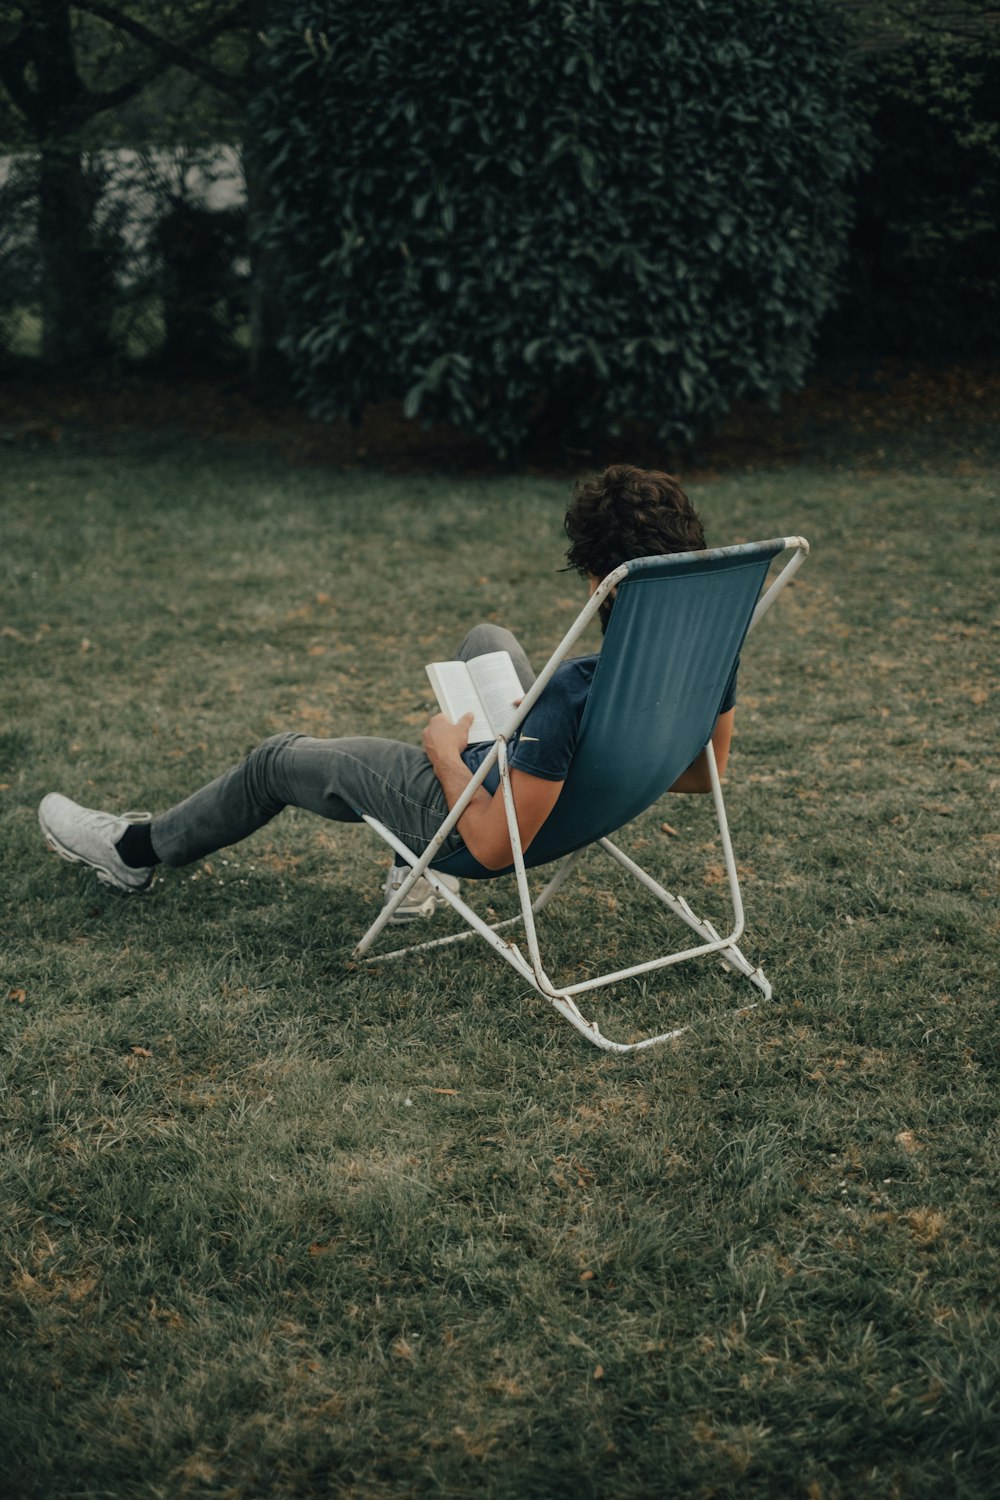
(279, 1224)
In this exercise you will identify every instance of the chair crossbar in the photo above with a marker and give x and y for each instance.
(540, 902)
(443, 942)
(729, 954)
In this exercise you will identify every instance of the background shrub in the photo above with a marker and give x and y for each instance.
(922, 276)
(534, 218)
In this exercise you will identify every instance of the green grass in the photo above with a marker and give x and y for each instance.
(275, 1223)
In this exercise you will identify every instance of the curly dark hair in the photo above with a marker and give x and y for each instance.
(627, 512)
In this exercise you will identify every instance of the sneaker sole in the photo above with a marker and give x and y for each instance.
(77, 859)
(431, 903)
(415, 914)
(420, 913)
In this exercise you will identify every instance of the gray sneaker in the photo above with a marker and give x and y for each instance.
(422, 900)
(87, 837)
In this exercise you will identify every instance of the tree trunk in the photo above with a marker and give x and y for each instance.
(267, 363)
(79, 253)
(74, 311)
(74, 306)
(268, 367)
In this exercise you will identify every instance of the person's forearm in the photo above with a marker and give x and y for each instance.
(454, 776)
(697, 777)
(483, 824)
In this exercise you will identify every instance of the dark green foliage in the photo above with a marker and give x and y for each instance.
(923, 275)
(79, 79)
(199, 251)
(540, 218)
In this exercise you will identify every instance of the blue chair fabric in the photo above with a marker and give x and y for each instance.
(675, 634)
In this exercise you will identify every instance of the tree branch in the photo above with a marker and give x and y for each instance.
(964, 17)
(94, 103)
(14, 57)
(169, 53)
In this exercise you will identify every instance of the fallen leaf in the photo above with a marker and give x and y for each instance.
(926, 1225)
(141, 1052)
(504, 1387)
(586, 1275)
(19, 995)
(598, 1372)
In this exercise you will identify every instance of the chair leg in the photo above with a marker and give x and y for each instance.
(530, 968)
(562, 997)
(476, 925)
(565, 869)
(729, 954)
(731, 957)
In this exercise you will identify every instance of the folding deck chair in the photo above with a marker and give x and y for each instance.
(675, 633)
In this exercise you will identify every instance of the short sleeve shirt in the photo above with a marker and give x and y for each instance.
(545, 743)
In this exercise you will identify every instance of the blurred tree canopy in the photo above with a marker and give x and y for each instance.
(923, 273)
(70, 71)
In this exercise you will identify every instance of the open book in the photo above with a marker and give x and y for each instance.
(486, 686)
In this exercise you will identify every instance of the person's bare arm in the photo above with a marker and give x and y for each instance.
(696, 778)
(483, 825)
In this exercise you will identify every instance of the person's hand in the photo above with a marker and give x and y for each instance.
(444, 740)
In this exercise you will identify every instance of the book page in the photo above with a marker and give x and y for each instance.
(456, 695)
(498, 686)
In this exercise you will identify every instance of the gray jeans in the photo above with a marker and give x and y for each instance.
(339, 779)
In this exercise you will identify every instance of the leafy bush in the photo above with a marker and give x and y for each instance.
(529, 217)
(198, 254)
(19, 272)
(922, 276)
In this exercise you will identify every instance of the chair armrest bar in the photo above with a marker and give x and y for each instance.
(800, 550)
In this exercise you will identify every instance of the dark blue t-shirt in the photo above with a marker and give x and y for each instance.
(545, 743)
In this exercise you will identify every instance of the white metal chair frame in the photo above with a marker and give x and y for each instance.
(531, 968)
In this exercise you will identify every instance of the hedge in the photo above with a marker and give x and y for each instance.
(922, 276)
(538, 216)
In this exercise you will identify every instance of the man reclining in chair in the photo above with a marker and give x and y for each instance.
(618, 515)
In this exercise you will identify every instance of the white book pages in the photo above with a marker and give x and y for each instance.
(456, 695)
(498, 686)
(487, 687)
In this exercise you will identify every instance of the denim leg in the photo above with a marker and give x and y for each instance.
(487, 637)
(337, 779)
